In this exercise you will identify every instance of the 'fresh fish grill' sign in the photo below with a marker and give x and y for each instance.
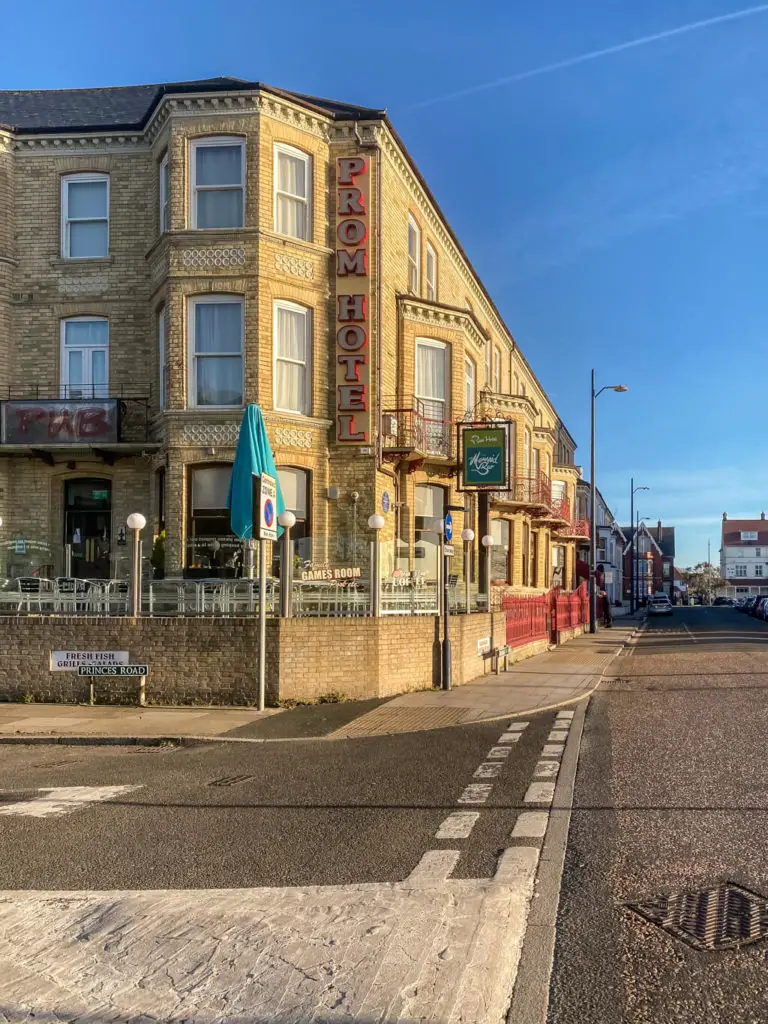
(484, 457)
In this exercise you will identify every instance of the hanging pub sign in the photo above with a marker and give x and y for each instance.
(353, 295)
(484, 461)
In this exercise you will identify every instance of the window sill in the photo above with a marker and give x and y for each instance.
(77, 261)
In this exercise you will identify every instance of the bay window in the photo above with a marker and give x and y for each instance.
(433, 393)
(216, 351)
(431, 274)
(296, 488)
(85, 216)
(414, 256)
(501, 550)
(217, 182)
(470, 375)
(211, 549)
(293, 184)
(292, 348)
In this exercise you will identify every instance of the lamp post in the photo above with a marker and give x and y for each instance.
(287, 520)
(488, 543)
(592, 492)
(633, 492)
(467, 536)
(136, 523)
(375, 523)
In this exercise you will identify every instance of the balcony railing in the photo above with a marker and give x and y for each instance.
(561, 509)
(534, 491)
(412, 428)
(576, 528)
(46, 415)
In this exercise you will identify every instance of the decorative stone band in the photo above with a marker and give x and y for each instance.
(210, 433)
(286, 264)
(208, 259)
(290, 437)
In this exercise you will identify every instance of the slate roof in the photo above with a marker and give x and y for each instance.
(128, 108)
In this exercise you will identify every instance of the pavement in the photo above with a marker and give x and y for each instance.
(671, 802)
(556, 678)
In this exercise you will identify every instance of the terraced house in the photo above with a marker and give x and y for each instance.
(170, 253)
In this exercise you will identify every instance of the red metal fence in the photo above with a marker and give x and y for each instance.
(542, 617)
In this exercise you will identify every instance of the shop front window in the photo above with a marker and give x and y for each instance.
(295, 486)
(212, 548)
(429, 510)
(501, 550)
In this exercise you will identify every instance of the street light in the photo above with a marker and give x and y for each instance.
(136, 523)
(287, 520)
(634, 490)
(488, 543)
(467, 536)
(593, 525)
(375, 523)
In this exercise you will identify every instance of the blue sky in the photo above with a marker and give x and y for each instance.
(616, 208)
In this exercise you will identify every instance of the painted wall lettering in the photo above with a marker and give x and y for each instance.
(353, 292)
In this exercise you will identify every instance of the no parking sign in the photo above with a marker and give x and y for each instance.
(267, 508)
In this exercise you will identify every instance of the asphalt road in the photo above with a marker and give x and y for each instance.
(308, 812)
(671, 796)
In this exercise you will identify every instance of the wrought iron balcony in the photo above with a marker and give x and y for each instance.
(45, 416)
(412, 430)
(531, 492)
(577, 529)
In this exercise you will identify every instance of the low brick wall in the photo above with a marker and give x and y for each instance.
(215, 660)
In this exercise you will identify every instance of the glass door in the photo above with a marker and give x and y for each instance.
(88, 526)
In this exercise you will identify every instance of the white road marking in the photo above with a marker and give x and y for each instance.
(558, 736)
(63, 800)
(552, 750)
(540, 793)
(564, 716)
(500, 752)
(434, 867)
(690, 634)
(546, 770)
(458, 825)
(477, 793)
(517, 726)
(510, 737)
(487, 770)
(396, 951)
(530, 825)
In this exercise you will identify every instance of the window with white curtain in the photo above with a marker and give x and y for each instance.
(85, 357)
(217, 182)
(293, 349)
(497, 371)
(164, 194)
(431, 275)
(470, 376)
(84, 216)
(216, 351)
(162, 357)
(414, 256)
(433, 390)
(293, 189)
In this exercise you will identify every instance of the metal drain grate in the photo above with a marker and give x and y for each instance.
(231, 780)
(725, 917)
(58, 764)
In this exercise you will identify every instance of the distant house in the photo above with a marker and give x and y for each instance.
(744, 556)
(610, 544)
(653, 551)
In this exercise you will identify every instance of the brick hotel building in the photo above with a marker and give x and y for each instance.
(170, 253)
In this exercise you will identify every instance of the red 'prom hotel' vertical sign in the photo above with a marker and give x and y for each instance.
(353, 293)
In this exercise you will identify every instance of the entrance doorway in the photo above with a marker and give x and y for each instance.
(87, 525)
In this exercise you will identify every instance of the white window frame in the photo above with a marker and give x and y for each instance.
(192, 303)
(749, 535)
(293, 307)
(282, 147)
(65, 219)
(740, 571)
(432, 343)
(759, 569)
(194, 188)
(65, 386)
(497, 371)
(163, 190)
(431, 278)
(470, 375)
(414, 265)
(162, 355)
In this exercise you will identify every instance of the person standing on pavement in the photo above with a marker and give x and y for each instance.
(607, 615)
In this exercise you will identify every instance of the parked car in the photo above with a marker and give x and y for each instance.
(748, 605)
(759, 607)
(659, 606)
(723, 601)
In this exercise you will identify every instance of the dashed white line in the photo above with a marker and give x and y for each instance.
(558, 736)
(517, 726)
(564, 716)
(510, 737)
(530, 825)
(552, 750)
(546, 770)
(458, 825)
(540, 793)
(487, 770)
(476, 793)
(499, 752)
(434, 867)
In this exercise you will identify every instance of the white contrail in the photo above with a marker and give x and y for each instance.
(584, 57)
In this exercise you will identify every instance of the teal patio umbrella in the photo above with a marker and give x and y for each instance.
(253, 457)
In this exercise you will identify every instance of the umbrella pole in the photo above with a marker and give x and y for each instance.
(262, 621)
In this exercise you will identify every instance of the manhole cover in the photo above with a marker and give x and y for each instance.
(231, 780)
(725, 917)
